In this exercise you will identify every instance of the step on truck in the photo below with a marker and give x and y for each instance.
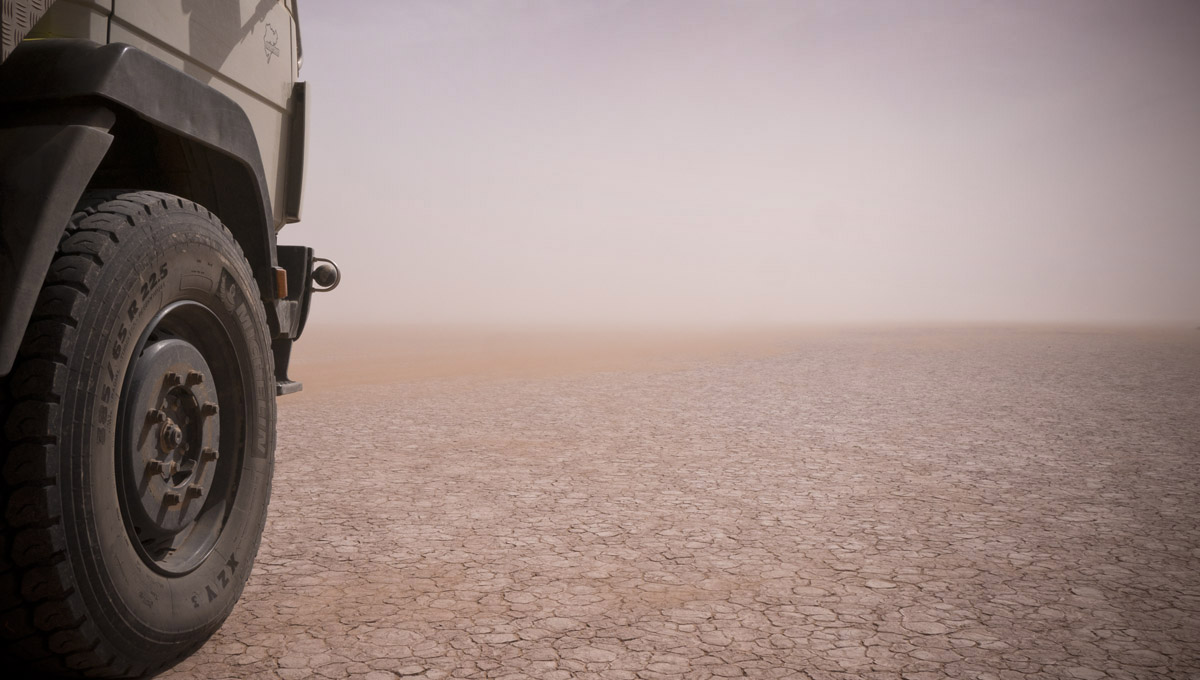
(150, 151)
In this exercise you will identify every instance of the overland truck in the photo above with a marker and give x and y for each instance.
(150, 150)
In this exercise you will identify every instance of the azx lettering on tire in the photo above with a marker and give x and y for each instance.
(139, 437)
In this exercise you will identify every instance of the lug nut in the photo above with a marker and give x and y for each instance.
(195, 491)
(195, 378)
(157, 467)
(156, 416)
(171, 498)
(208, 454)
(209, 409)
(173, 379)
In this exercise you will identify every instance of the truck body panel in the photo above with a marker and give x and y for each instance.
(245, 50)
(213, 89)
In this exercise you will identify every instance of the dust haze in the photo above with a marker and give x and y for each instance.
(741, 339)
(738, 164)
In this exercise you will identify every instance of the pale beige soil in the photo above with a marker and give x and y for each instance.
(967, 503)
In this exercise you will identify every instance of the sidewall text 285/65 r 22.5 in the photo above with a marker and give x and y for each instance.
(139, 438)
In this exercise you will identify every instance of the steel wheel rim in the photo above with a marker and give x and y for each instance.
(180, 426)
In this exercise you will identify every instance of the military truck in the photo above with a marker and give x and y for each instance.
(150, 150)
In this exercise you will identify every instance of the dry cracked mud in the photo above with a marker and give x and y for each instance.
(913, 504)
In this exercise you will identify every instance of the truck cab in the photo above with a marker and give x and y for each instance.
(150, 152)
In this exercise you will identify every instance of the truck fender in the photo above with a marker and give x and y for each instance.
(41, 78)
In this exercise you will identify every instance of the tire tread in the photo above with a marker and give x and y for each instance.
(43, 621)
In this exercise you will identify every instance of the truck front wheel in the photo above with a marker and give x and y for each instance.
(138, 442)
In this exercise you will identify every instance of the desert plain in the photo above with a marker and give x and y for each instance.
(958, 502)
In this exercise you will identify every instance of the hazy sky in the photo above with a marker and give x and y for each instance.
(636, 161)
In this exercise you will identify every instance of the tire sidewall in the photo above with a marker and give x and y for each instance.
(177, 253)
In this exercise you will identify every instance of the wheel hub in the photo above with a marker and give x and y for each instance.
(172, 437)
(175, 432)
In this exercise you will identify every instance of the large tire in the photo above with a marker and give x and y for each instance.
(138, 443)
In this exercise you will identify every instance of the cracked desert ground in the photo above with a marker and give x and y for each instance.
(876, 503)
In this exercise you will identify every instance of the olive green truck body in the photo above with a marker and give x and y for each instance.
(207, 96)
(150, 151)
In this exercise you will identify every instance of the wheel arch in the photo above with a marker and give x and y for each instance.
(135, 122)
